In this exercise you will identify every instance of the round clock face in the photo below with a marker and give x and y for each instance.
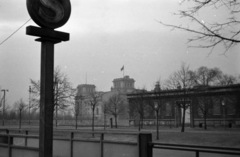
(49, 13)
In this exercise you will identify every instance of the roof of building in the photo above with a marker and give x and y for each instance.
(210, 90)
(125, 78)
(86, 85)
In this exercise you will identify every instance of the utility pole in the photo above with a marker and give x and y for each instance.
(48, 38)
(30, 90)
(57, 99)
(4, 95)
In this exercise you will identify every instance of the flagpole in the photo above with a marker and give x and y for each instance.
(122, 69)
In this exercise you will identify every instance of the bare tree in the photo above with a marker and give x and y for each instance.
(1, 99)
(182, 79)
(139, 106)
(105, 112)
(63, 91)
(225, 79)
(93, 102)
(204, 102)
(75, 109)
(1, 102)
(4, 107)
(224, 32)
(157, 104)
(35, 93)
(20, 106)
(115, 106)
(206, 76)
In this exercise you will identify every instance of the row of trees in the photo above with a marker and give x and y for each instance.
(183, 79)
(64, 95)
(114, 106)
(66, 100)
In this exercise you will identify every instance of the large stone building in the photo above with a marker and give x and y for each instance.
(121, 86)
(83, 97)
(219, 105)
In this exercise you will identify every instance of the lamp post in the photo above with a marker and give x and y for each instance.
(156, 110)
(56, 97)
(4, 95)
(104, 116)
(176, 119)
(224, 116)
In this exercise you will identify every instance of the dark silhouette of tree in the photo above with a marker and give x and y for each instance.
(225, 79)
(63, 91)
(93, 100)
(115, 106)
(206, 76)
(75, 108)
(20, 106)
(4, 107)
(213, 33)
(139, 106)
(105, 112)
(157, 104)
(182, 80)
(204, 102)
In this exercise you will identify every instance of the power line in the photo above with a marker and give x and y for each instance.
(14, 32)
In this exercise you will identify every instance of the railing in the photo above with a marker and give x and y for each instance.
(103, 144)
(196, 149)
(70, 144)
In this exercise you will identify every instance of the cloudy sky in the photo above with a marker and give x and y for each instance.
(104, 36)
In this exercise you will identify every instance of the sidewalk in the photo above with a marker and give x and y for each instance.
(150, 129)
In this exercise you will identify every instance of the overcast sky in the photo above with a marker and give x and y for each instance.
(104, 36)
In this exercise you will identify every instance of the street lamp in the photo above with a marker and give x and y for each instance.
(56, 97)
(224, 116)
(156, 110)
(4, 95)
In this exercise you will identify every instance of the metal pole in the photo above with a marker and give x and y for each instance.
(29, 104)
(104, 120)
(46, 100)
(4, 95)
(48, 38)
(102, 145)
(157, 124)
(224, 114)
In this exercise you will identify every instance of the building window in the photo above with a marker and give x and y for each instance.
(230, 105)
(216, 106)
(168, 109)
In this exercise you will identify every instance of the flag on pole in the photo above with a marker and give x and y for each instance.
(122, 68)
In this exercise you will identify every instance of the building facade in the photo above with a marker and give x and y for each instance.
(121, 86)
(219, 105)
(83, 98)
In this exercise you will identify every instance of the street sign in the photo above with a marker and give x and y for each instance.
(49, 13)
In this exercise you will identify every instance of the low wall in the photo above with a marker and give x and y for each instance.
(69, 122)
(27, 145)
(152, 122)
(218, 122)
